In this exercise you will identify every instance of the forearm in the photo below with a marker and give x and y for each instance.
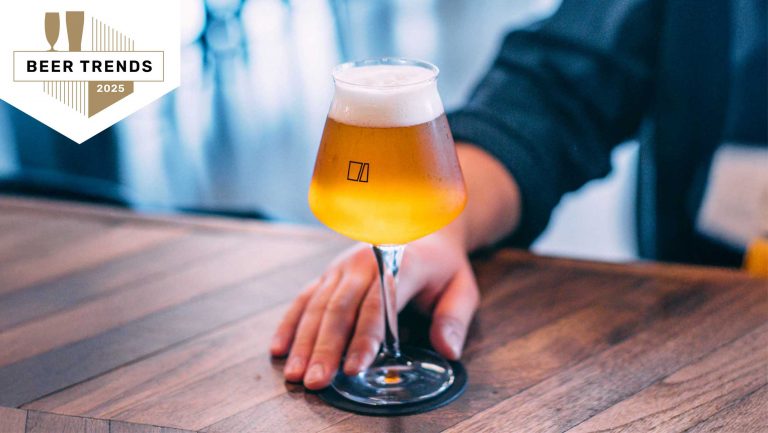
(493, 204)
(558, 98)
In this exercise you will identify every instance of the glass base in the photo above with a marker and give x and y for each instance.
(418, 375)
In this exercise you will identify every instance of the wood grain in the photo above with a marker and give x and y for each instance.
(170, 370)
(608, 314)
(747, 415)
(23, 421)
(536, 343)
(13, 420)
(26, 209)
(157, 389)
(291, 411)
(96, 249)
(128, 304)
(41, 422)
(580, 392)
(667, 271)
(692, 394)
(129, 427)
(41, 300)
(31, 379)
(117, 322)
(49, 234)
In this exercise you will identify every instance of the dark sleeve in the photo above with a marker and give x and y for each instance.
(560, 96)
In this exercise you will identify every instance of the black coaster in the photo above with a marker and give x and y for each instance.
(330, 396)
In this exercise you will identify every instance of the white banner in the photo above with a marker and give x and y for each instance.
(88, 66)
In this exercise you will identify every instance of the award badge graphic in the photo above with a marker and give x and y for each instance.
(80, 66)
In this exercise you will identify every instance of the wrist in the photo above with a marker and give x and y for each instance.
(455, 234)
(493, 199)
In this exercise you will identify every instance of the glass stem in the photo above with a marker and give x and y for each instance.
(389, 257)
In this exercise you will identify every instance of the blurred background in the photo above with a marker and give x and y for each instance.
(239, 136)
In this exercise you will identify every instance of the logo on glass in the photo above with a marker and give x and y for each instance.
(358, 171)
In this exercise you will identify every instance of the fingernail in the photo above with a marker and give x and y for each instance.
(362, 360)
(277, 344)
(352, 363)
(314, 374)
(294, 366)
(454, 340)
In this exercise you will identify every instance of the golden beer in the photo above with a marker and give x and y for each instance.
(387, 185)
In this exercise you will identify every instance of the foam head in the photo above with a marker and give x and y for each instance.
(385, 96)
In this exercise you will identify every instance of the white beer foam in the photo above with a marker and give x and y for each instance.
(385, 96)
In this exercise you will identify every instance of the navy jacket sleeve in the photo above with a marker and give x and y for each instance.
(559, 96)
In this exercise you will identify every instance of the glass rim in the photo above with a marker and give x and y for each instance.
(391, 61)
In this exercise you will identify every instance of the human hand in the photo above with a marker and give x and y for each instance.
(346, 302)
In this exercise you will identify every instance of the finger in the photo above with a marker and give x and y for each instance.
(285, 332)
(453, 314)
(306, 333)
(336, 328)
(369, 332)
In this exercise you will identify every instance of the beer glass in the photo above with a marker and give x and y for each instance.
(386, 174)
(52, 28)
(75, 23)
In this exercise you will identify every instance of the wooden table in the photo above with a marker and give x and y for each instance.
(112, 322)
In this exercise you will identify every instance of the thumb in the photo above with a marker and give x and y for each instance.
(453, 313)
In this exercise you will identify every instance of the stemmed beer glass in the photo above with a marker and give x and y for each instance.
(52, 28)
(387, 173)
